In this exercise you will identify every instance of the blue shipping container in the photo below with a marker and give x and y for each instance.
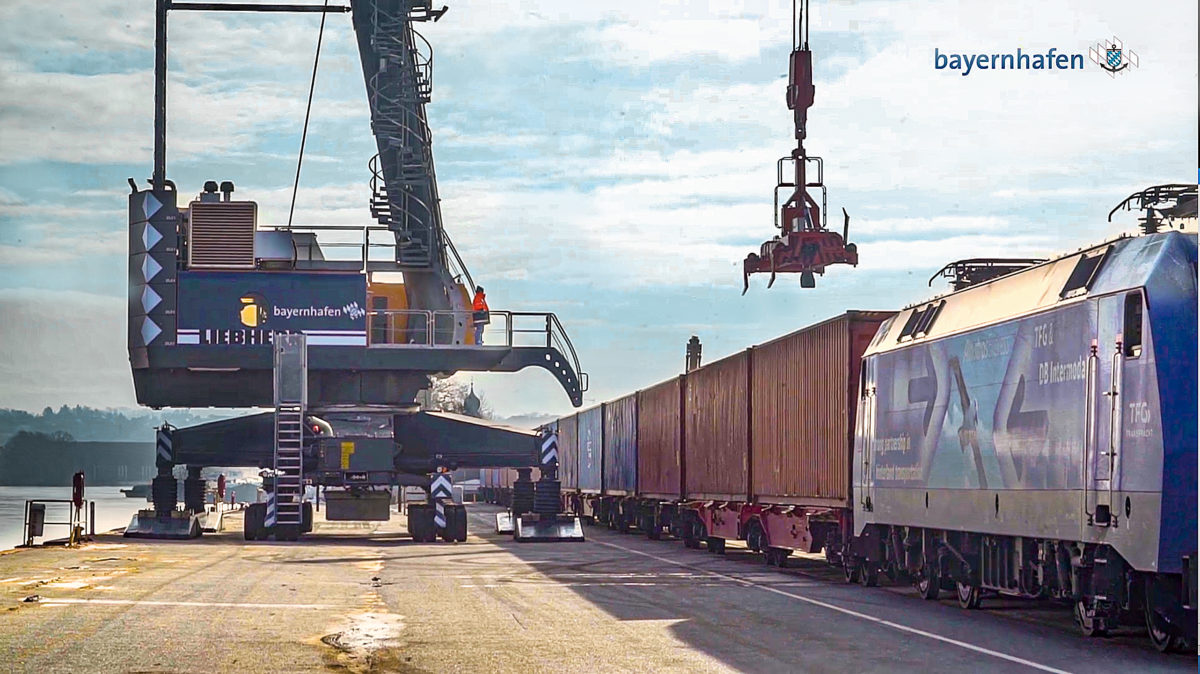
(591, 445)
(568, 453)
(620, 446)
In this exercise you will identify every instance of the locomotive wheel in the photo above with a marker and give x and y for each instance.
(928, 584)
(969, 596)
(868, 574)
(851, 569)
(1090, 626)
(1159, 631)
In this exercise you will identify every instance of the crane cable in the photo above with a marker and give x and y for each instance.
(307, 111)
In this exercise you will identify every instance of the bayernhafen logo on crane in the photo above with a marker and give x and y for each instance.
(1112, 57)
(254, 310)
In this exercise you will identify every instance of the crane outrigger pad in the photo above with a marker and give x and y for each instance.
(504, 523)
(539, 529)
(175, 525)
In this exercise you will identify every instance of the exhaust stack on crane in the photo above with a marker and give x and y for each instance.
(804, 245)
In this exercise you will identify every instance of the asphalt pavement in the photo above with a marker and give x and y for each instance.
(364, 597)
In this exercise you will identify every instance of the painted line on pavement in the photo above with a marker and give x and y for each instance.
(849, 612)
(48, 601)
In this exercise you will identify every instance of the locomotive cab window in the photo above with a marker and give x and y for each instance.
(1132, 337)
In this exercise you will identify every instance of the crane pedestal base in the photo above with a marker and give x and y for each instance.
(176, 524)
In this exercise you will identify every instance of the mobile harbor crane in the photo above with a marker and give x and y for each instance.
(227, 312)
(804, 245)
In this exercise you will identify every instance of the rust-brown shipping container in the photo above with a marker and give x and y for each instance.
(804, 389)
(716, 440)
(659, 440)
(568, 453)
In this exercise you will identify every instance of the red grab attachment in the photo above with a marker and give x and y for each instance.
(804, 246)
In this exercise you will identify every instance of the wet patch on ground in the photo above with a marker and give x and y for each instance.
(368, 642)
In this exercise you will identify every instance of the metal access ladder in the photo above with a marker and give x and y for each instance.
(284, 510)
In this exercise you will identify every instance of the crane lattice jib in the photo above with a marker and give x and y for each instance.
(398, 66)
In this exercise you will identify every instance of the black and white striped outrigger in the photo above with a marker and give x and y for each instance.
(540, 518)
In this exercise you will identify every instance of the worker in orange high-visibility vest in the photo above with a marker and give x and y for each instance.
(479, 313)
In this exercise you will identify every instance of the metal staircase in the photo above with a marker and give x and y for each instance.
(403, 186)
(285, 508)
(289, 479)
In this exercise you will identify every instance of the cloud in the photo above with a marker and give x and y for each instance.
(613, 161)
(645, 42)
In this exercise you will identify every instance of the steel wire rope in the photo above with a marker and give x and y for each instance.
(312, 85)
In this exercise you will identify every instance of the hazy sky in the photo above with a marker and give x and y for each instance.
(609, 161)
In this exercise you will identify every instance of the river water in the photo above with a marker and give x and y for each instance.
(113, 509)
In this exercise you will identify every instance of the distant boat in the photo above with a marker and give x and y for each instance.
(138, 491)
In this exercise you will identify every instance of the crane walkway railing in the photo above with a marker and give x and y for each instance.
(407, 328)
(359, 248)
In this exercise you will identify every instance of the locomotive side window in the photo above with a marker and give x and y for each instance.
(1084, 273)
(931, 314)
(910, 325)
(920, 320)
(1132, 338)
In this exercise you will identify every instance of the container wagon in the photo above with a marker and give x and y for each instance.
(678, 455)
(768, 440)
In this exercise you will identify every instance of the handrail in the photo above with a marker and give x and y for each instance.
(430, 335)
(457, 261)
(556, 337)
(81, 519)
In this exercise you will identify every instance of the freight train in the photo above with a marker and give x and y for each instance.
(1031, 435)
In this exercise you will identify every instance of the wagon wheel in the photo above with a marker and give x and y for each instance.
(754, 540)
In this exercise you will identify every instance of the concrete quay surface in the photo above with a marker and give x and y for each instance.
(358, 597)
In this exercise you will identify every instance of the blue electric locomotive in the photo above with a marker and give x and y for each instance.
(1035, 435)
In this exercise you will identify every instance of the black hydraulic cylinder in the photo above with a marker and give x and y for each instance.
(547, 499)
(522, 493)
(193, 490)
(164, 493)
